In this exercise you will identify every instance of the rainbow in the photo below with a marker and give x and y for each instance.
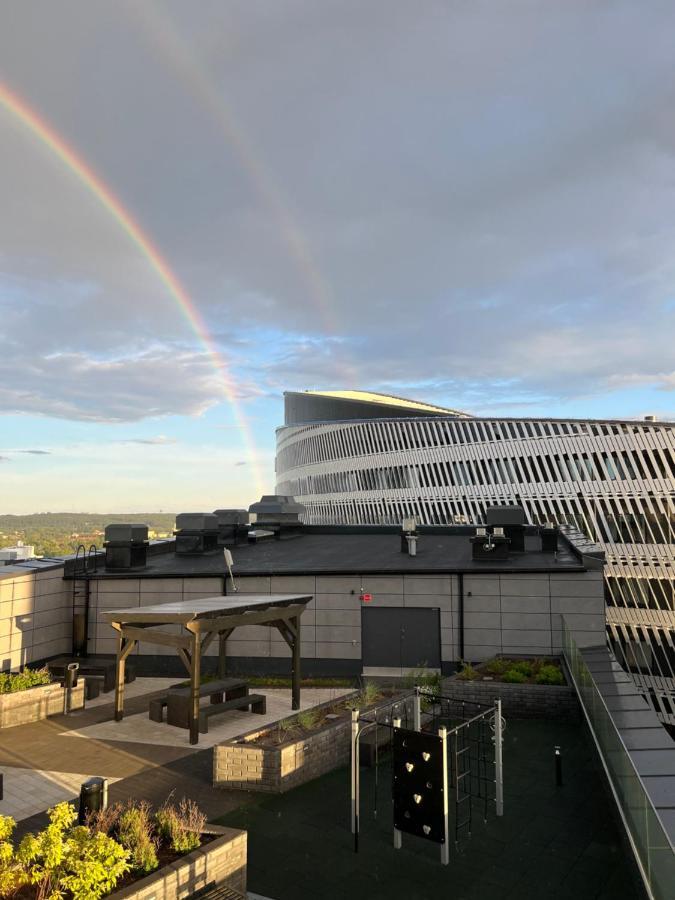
(18, 108)
(162, 32)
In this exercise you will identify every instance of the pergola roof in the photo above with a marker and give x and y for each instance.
(203, 612)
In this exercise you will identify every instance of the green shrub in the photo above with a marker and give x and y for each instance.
(467, 673)
(524, 666)
(13, 874)
(181, 826)
(549, 674)
(423, 678)
(496, 667)
(370, 693)
(309, 719)
(64, 857)
(11, 682)
(514, 676)
(136, 834)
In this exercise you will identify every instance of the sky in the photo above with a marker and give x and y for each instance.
(465, 203)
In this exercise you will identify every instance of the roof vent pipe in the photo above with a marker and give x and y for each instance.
(409, 536)
(650, 418)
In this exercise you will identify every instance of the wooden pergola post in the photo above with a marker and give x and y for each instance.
(295, 664)
(195, 683)
(124, 647)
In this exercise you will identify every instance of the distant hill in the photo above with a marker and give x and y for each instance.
(57, 534)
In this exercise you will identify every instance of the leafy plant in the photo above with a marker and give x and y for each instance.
(524, 666)
(467, 673)
(549, 674)
(514, 676)
(11, 682)
(136, 833)
(105, 820)
(12, 873)
(181, 826)
(309, 719)
(496, 667)
(370, 693)
(65, 857)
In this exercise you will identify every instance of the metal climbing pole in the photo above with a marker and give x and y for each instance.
(499, 769)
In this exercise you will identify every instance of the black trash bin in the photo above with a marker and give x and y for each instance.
(93, 797)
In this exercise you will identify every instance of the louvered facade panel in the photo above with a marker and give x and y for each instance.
(613, 480)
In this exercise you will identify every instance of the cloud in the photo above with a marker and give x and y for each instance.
(241, 462)
(4, 459)
(159, 440)
(35, 452)
(79, 386)
(481, 206)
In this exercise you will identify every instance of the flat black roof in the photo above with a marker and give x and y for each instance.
(346, 551)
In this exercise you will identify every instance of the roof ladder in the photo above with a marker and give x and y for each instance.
(86, 563)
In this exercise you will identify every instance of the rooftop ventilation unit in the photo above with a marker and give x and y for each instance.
(196, 533)
(486, 545)
(126, 546)
(512, 520)
(277, 512)
(549, 538)
(232, 525)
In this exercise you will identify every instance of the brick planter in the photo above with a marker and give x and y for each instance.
(221, 861)
(244, 765)
(522, 701)
(37, 703)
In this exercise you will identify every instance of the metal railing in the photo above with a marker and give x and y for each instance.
(653, 851)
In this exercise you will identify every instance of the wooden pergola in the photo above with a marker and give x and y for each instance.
(203, 621)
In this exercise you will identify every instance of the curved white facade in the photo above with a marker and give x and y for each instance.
(614, 480)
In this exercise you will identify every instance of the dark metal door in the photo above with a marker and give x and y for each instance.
(394, 637)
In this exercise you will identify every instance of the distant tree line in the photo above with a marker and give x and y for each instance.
(58, 534)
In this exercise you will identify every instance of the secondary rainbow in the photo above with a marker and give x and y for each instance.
(86, 175)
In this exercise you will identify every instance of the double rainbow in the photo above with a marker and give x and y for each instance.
(17, 107)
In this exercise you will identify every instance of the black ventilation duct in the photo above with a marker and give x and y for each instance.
(126, 546)
(277, 513)
(512, 520)
(232, 526)
(196, 534)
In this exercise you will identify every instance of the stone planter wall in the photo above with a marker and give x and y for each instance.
(37, 703)
(221, 862)
(244, 765)
(521, 701)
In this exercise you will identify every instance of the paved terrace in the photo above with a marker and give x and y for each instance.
(46, 762)
(552, 842)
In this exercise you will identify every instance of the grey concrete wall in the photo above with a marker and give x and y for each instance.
(520, 614)
(35, 615)
(508, 614)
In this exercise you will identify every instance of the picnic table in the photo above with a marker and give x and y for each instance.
(224, 694)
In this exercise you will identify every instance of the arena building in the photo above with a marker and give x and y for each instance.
(355, 457)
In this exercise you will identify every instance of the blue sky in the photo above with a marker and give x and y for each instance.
(468, 203)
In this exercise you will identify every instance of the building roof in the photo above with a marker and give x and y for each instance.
(301, 407)
(366, 550)
(387, 400)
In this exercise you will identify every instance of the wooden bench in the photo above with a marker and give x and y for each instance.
(257, 703)
(177, 700)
